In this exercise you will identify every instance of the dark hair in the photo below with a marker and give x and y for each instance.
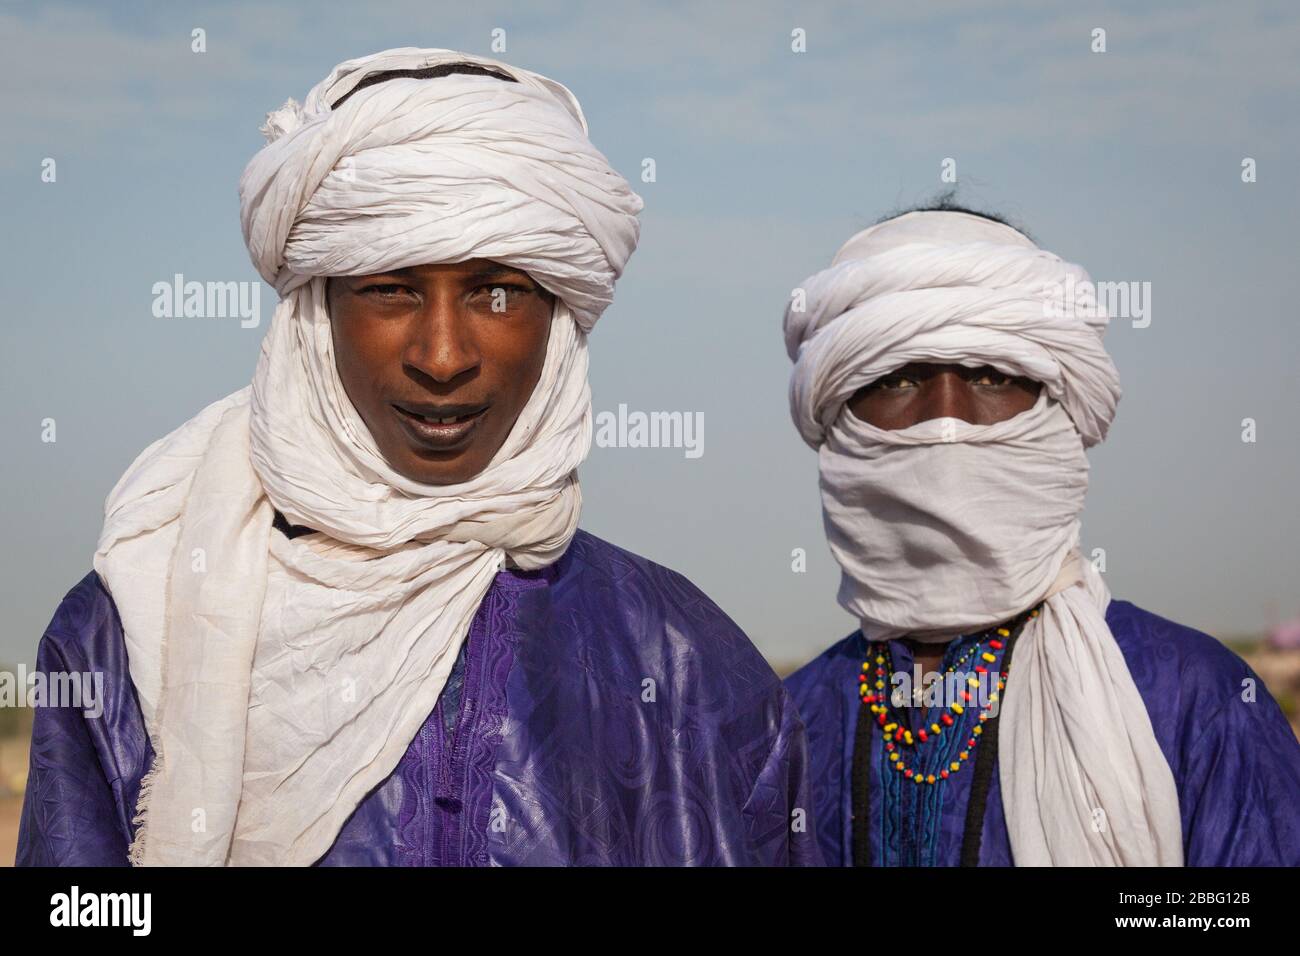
(946, 202)
(426, 73)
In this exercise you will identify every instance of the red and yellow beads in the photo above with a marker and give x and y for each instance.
(876, 674)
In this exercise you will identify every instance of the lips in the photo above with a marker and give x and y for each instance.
(439, 427)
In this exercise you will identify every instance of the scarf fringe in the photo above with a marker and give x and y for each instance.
(135, 853)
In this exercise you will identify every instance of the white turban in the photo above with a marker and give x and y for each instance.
(947, 527)
(954, 288)
(281, 680)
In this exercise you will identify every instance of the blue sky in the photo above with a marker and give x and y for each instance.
(1126, 161)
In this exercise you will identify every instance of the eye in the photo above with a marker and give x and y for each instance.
(386, 290)
(894, 381)
(990, 376)
(509, 295)
(511, 290)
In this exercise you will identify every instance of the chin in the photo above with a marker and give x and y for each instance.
(450, 473)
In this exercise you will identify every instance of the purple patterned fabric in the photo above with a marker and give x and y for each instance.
(1236, 762)
(554, 757)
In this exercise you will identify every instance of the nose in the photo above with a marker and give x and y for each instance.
(441, 344)
(946, 394)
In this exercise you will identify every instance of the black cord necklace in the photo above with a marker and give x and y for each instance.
(875, 712)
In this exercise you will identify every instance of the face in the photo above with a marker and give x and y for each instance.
(920, 391)
(439, 360)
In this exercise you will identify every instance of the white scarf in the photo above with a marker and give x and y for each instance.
(281, 680)
(946, 527)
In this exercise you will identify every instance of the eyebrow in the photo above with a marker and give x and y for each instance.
(490, 271)
(495, 271)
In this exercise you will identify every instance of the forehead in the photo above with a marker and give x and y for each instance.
(469, 268)
(964, 368)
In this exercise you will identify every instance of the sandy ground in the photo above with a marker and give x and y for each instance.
(10, 807)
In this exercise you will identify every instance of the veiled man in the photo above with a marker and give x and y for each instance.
(345, 614)
(951, 376)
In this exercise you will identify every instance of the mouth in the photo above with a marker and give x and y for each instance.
(438, 427)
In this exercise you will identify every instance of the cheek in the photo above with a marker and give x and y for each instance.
(364, 351)
(1007, 403)
(522, 352)
(537, 348)
(1026, 396)
(344, 347)
(349, 354)
(864, 402)
(882, 409)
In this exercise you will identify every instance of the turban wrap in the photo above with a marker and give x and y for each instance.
(281, 680)
(946, 527)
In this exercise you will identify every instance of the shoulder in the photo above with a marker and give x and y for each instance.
(1203, 699)
(602, 564)
(85, 627)
(639, 584)
(825, 691)
(659, 615)
(1169, 659)
(828, 669)
(1230, 747)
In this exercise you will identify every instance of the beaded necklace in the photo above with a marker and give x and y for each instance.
(990, 646)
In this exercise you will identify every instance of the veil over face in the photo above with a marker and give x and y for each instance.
(946, 527)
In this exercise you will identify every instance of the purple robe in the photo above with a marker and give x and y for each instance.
(553, 756)
(1236, 762)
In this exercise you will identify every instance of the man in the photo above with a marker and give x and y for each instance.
(345, 615)
(951, 384)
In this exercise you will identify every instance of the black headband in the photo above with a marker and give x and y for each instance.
(425, 73)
